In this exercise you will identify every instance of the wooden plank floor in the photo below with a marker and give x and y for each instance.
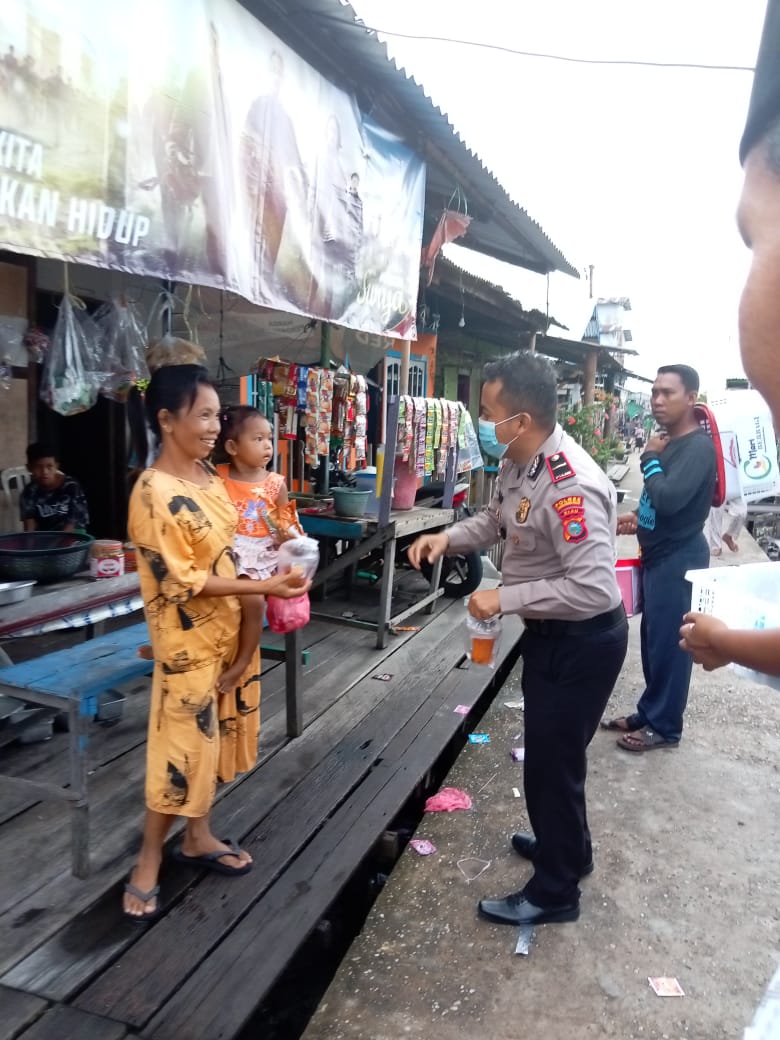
(70, 965)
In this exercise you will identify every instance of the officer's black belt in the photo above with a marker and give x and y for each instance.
(555, 627)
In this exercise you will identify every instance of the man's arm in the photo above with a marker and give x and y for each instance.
(672, 491)
(713, 644)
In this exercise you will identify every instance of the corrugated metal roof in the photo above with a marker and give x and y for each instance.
(329, 35)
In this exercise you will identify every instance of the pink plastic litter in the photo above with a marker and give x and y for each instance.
(422, 846)
(447, 799)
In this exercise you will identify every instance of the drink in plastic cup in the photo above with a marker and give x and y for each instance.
(482, 649)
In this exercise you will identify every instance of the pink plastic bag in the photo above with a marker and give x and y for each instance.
(286, 615)
(447, 800)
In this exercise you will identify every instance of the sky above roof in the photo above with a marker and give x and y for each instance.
(631, 169)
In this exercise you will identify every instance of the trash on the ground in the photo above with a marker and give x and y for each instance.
(423, 846)
(461, 709)
(472, 868)
(383, 677)
(664, 986)
(517, 736)
(448, 799)
(518, 754)
(479, 738)
(524, 940)
(405, 628)
(348, 614)
(487, 783)
(516, 792)
(520, 705)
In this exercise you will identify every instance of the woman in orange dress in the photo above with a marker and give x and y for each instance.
(183, 525)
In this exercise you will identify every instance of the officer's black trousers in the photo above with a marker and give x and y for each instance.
(567, 681)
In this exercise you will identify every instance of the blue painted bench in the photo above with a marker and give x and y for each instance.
(70, 680)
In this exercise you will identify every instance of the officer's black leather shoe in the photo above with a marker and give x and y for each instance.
(525, 844)
(516, 909)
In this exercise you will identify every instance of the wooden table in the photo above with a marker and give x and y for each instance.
(365, 536)
(80, 602)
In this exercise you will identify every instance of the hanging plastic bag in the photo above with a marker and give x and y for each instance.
(169, 349)
(287, 615)
(69, 383)
(123, 345)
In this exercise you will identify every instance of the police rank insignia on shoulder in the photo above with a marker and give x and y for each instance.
(559, 467)
(571, 510)
(523, 509)
(536, 467)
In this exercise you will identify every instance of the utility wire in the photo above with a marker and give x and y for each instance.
(549, 57)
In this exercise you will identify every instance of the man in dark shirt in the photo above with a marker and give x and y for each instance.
(678, 467)
(52, 501)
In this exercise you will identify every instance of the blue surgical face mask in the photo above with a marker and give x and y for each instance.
(488, 440)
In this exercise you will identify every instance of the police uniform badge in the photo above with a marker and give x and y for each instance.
(559, 467)
(523, 509)
(571, 511)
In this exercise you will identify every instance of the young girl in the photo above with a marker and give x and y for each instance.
(266, 516)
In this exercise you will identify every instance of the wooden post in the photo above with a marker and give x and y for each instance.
(324, 475)
(406, 353)
(386, 491)
(589, 375)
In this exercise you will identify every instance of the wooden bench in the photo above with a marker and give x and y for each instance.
(69, 681)
(617, 471)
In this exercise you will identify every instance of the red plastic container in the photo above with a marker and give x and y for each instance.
(629, 581)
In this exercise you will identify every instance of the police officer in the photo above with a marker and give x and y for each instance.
(555, 511)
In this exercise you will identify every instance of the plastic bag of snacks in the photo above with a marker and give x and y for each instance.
(70, 383)
(483, 639)
(286, 615)
(123, 342)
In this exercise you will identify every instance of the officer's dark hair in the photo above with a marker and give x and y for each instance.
(40, 450)
(173, 387)
(528, 384)
(689, 377)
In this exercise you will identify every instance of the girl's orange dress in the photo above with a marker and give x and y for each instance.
(184, 533)
(262, 523)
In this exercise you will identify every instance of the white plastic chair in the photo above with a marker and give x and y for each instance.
(13, 478)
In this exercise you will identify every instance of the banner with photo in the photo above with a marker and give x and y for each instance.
(187, 142)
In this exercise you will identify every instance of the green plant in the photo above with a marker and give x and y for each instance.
(586, 426)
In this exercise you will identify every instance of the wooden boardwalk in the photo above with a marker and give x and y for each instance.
(71, 966)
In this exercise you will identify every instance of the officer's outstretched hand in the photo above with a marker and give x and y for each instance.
(428, 547)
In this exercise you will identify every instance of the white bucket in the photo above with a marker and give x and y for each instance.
(365, 480)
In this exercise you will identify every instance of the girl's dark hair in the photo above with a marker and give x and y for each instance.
(173, 387)
(233, 420)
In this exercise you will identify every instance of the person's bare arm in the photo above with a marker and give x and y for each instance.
(285, 586)
(713, 644)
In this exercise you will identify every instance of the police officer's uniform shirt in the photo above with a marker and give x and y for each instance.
(557, 516)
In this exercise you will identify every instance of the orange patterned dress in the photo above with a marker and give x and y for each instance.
(183, 533)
